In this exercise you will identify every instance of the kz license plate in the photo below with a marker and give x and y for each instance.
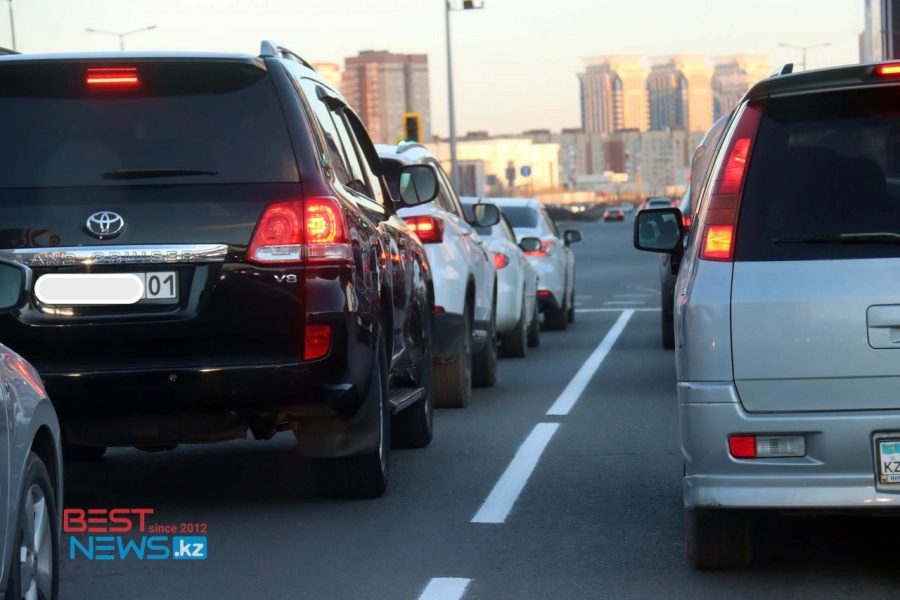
(107, 289)
(889, 460)
(160, 287)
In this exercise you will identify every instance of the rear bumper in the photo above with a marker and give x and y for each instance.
(838, 471)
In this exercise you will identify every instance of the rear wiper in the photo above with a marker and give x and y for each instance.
(844, 238)
(154, 173)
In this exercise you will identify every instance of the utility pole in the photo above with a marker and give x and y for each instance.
(451, 107)
(12, 25)
(121, 36)
(805, 49)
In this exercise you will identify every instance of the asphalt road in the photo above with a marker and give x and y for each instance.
(599, 516)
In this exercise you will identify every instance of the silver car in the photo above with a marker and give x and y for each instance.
(31, 479)
(787, 308)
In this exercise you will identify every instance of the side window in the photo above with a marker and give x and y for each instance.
(358, 183)
(336, 157)
(551, 225)
(507, 229)
(453, 203)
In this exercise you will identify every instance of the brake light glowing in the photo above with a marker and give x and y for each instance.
(317, 341)
(540, 253)
(686, 221)
(892, 69)
(112, 77)
(429, 229)
(500, 260)
(323, 222)
(298, 231)
(719, 242)
(735, 167)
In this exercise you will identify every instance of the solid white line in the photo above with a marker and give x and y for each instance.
(445, 588)
(644, 295)
(505, 493)
(599, 310)
(646, 289)
(573, 391)
(624, 302)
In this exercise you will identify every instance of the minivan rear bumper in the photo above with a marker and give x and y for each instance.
(838, 471)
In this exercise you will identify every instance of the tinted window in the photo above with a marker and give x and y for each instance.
(358, 178)
(521, 216)
(333, 147)
(223, 122)
(823, 165)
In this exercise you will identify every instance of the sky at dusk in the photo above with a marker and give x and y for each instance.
(515, 62)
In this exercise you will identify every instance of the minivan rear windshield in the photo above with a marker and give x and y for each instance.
(824, 166)
(521, 216)
(182, 122)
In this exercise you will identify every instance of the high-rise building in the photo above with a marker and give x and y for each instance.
(382, 86)
(733, 76)
(881, 39)
(613, 94)
(330, 71)
(679, 94)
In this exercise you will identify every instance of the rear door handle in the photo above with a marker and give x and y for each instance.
(883, 323)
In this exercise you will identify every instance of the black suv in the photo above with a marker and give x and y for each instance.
(243, 202)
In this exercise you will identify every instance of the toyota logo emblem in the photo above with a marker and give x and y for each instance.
(105, 224)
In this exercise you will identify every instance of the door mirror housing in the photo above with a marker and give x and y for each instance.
(418, 185)
(15, 286)
(530, 244)
(572, 236)
(486, 215)
(658, 229)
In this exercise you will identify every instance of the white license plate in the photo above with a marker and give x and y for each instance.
(889, 460)
(107, 289)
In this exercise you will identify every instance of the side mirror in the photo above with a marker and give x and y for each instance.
(530, 244)
(486, 215)
(15, 286)
(418, 184)
(572, 236)
(658, 229)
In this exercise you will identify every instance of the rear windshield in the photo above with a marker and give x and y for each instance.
(823, 166)
(521, 216)
(185, 122)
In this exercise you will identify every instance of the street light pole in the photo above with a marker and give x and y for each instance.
(12, 25)
(805, 49)
(451, 106)
(121, 36)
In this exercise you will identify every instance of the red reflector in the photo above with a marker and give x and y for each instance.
(500, 260)
(742, 446)
(317, 341)
(544, 293)
(112, 77)
(718, 242)
(888, 69)
(429, 229)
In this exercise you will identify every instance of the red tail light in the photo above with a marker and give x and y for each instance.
(686, 221)
(500, 260)
(537, 253)
(112, 77)
(429, 229)
(742, 446)
(891, 69)
(621, 214)
(298, 231)
(317, 341)
(725, 199)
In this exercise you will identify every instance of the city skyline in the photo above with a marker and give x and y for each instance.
(504, 56)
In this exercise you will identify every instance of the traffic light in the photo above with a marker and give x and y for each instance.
(468, 4)
(412, 127)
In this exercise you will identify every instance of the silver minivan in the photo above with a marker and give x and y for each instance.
(787, 308)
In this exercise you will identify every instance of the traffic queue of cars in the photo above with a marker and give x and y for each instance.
(198, 246)
(786, 309)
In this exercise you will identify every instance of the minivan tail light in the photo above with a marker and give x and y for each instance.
(429, 229)
(725, 199)
(300, 231)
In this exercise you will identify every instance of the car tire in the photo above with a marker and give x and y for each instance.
(34, 567)
(76, 453)
(453, 379)
(414, 426)
(668, 323)
(718, 539)
(484, 363)
(534, 332)
(515, 343)
(570, 316)
(367, 475)
(557, 319)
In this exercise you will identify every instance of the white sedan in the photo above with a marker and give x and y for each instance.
(517, 309)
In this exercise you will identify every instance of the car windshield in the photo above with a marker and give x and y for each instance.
(188, 123)
(521, 216)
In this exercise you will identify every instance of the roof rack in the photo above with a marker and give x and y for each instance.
(270, 48)
(8, 51)
(784, 70)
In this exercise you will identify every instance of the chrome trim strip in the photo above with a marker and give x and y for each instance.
(117, 255)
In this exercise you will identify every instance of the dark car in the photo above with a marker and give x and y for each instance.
(215, 251)
(614, 214)
(700, 165)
